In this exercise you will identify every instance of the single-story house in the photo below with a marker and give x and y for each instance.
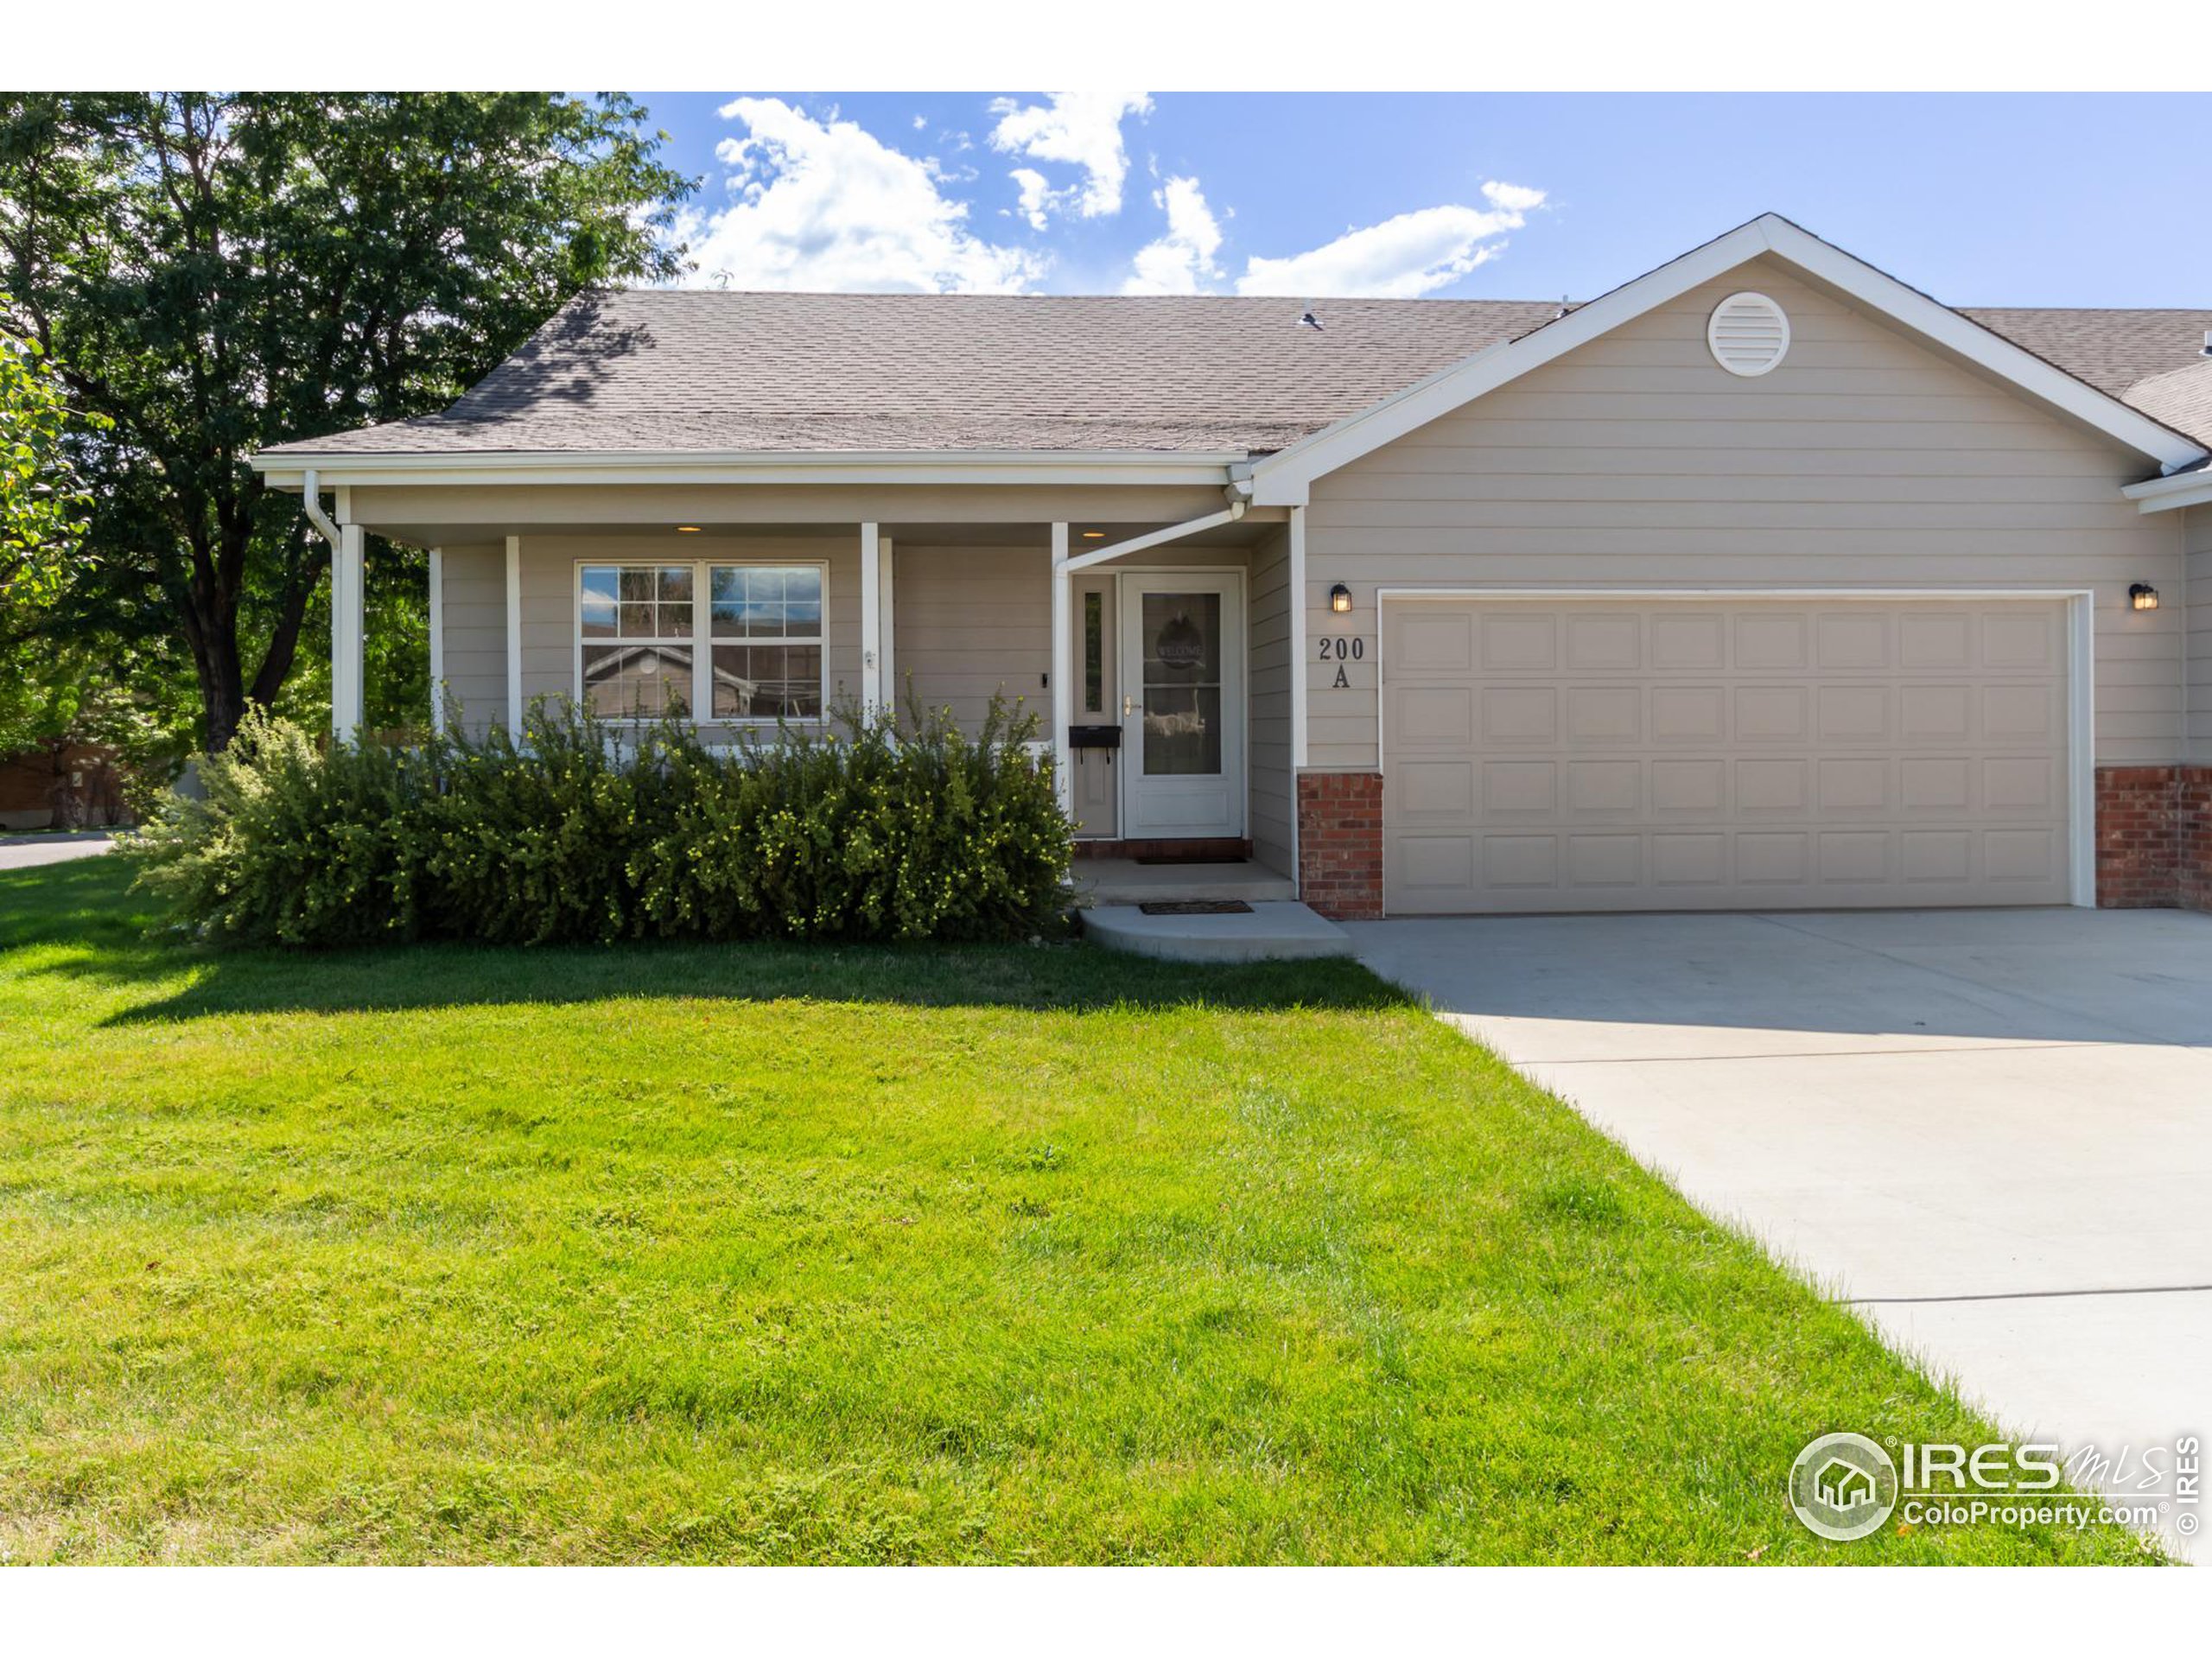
(1762, 580)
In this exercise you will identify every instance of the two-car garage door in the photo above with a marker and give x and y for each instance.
(1594, 755)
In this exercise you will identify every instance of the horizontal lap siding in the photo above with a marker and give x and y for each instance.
(474, 609)
(1863, 460)
(971, 621)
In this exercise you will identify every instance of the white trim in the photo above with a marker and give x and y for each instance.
(703, 640)
(514, 636)
(2192, 489)
(1283, 478)
(886, 627)
(871, 620)
(2081, 678)
(1299, 600)
(1062, 667)
(1098, 555)
(437, 642)
(1299, 749)
(1048, 467)
(348, 622)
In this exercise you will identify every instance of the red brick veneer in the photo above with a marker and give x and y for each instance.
(2154, 837)
(1340, 843)
(2193, 838)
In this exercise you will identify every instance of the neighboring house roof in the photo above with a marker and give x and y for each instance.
(2114, 350)
(701, 372)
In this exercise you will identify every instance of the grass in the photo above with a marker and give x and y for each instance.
(761, 1254)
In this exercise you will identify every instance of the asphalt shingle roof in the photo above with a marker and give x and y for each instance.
(676, 370)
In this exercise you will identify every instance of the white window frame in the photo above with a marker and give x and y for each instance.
(702, 639)
(576, 613)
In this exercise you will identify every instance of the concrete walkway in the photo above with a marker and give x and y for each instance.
(26, 852)
(1990, 1129)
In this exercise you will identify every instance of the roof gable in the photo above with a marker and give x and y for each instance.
(1283, 478)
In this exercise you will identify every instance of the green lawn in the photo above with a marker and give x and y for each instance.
(775, 1255)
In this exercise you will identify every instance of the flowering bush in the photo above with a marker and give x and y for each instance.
(577, 832)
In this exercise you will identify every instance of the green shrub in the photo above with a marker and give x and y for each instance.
(579, 832)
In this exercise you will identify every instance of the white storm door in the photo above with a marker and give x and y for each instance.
(1182, 705)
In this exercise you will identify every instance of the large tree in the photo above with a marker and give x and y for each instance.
(215, 272)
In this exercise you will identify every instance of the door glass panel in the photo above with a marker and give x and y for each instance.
(1182, 685)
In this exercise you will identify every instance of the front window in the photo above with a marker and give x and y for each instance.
(767, 641)
(751, 650)
(638, 655)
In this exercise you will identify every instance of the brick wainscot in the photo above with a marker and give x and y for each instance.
(1340, 843)
(2154, 837)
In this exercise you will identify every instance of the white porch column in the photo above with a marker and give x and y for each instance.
(437, 642)
(1298, 603)
(871, 620)
(886, 622)
(1063, 661)
(514, 636)
(347, 619)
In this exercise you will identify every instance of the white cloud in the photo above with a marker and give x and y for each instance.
(1081, 129)
(1181, 262)
(1036, 192)
(1401, 258)
(1512, 198)
(824, 204)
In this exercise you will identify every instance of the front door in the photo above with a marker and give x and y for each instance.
(1182, 705)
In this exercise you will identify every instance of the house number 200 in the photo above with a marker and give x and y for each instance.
(1341, 649)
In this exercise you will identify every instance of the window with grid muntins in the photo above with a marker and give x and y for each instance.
(767, 635)
(647, 631)
(639, 652)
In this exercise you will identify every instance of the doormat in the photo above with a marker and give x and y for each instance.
(1197, 907)
(1203, 858)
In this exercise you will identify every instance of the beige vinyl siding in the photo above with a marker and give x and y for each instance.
(474, 604)
(1268, 656)
(2196, 539)
(549, 597)
(971, 621)
(1864, 460)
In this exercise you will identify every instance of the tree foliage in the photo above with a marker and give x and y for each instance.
(213, 273)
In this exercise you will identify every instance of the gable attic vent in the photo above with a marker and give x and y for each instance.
(1748, 334)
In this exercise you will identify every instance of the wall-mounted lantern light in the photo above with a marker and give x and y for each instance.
(2143, 596)
(1340, 599)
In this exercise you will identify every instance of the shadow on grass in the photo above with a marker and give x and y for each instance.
(88, 908)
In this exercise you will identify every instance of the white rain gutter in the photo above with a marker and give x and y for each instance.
(1238, 496)
(2191, 487)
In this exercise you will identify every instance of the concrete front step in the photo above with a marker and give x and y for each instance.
(1125, 882)
(1269, 931)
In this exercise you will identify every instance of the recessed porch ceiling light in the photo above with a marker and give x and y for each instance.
(1094, 534)
(687, 529)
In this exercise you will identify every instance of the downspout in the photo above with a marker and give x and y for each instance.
(311, 497)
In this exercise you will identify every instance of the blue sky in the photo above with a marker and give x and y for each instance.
(1980, 199)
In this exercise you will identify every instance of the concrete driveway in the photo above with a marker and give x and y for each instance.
(1991, 1130)
(27, 852)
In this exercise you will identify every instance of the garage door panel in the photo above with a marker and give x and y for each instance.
(1602, 755)
(1772, 641)
(1609, 642)
(1851, 641)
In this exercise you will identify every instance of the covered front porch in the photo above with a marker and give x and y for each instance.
(1157, 655)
